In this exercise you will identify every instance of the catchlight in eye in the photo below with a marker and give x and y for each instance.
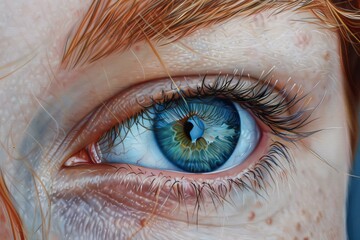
(199, 135)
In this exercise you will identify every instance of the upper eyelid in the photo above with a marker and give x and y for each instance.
(106, 112)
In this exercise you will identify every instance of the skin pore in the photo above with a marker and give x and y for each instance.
(44, 100)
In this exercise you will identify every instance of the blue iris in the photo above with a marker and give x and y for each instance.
(198, 135)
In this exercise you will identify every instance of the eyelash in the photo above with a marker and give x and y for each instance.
(269, 110)
(285, 116)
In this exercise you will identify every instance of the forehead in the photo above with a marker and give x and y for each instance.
(109, 26)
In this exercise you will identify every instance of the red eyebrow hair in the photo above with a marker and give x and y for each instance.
(114, 25)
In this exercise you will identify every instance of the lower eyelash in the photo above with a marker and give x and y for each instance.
(198, 194)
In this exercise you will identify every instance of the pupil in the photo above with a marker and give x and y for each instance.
(187, 128)
(194, 128)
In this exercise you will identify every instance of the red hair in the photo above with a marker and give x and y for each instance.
(11, 227)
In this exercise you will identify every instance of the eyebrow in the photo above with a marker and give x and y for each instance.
(111, 26)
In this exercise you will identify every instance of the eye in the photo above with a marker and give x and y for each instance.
(185, 145)
(195, 135)
(207, 127)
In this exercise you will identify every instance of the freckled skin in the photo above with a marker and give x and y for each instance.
(302, 40)
(137, 48)
(251, 216)
(307, 202)
(327, 56)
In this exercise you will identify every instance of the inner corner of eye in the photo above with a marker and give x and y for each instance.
(194, 135)
(86, 155)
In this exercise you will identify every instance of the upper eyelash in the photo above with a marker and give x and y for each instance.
(257, 97)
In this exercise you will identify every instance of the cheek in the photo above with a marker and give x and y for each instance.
(105, 204)
(317, 198)
(98, 209)
(108, 205)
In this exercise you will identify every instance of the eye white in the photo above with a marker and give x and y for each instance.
(137, 145)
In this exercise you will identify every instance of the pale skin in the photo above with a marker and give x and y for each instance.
(309, 203)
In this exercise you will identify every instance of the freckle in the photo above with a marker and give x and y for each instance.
(319, 217)
(302, 40)
(259, 20)
(298, 227)
(269, 221)
(143, 222)
(137, 48)
(251, 216)
(326, 56)
(306, 238)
